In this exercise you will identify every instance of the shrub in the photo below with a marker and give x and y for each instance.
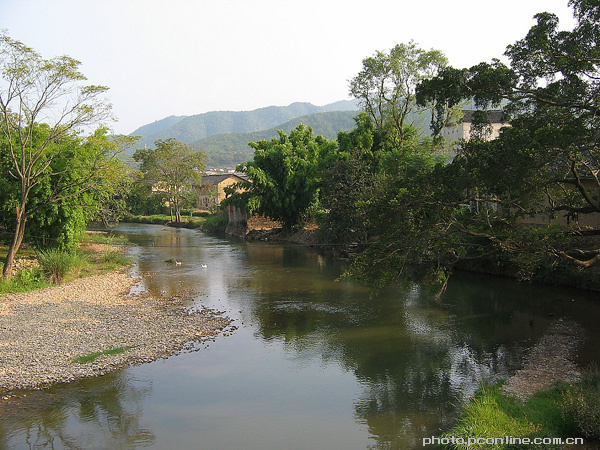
(581, 403)
(57, 263)
(215, 224)
(25, 281)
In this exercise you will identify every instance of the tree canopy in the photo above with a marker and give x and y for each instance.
(47, 156)
(284, 176)
(170, 171)
(386, 86)
(549, 156)
(422, 217)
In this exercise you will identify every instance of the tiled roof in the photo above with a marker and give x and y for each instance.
(211, 180)
(494, 116)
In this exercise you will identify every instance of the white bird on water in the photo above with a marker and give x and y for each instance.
(177, 263)
(204, 266)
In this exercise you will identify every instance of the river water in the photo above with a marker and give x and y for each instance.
(315, 363)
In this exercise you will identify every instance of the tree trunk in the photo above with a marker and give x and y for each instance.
(15, 244)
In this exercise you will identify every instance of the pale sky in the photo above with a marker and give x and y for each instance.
(185, 57)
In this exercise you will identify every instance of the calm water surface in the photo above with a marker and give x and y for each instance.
(314, 364)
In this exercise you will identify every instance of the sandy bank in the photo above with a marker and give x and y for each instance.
(42, 332)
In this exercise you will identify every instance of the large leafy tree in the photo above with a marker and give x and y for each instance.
(86, 176)
(385, 146)
(285, 175)
(349, 178)
(550, 154)
(170, 171)
(32, 90)
(386, 86)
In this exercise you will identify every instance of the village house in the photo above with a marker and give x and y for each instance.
(462, 128)
(212, 190)
(462, 131)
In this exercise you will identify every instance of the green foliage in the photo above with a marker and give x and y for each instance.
(163, 219)
(423, 216)
(114, 259)
(215, 224)
(25, 281)
(548, 159)
(580, 402)
(386, 86)
(48, 164)
(284, 177)
(170, 171)
(99, 237)
(56, 263)
(92, 356)
(484, 417)
(491, 413)
(349, 178)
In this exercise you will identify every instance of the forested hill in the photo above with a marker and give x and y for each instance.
(190, 129)
(230, 149)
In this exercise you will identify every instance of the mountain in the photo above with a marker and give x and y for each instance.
(157, 126)
(190, 129)
(230, 149)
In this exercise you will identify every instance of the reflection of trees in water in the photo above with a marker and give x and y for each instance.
(415, 358)
(108, 411)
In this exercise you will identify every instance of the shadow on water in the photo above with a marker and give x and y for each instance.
(85, 414)
(316, 363)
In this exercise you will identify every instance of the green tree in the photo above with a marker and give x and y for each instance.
(33, 88)
(551, 95)
(386, 86)
(84, 173)
(349, 178)
(170, 171)
(284, 177)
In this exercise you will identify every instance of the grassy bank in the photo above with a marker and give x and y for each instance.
(97, 253)
(564, 411)
(214, 224)
(164, 219)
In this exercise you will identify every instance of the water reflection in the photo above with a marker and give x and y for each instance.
(416, 358)
(316, 363)
(86, 414)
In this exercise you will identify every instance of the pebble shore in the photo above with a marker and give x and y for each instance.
(43, 332)
(550, 361)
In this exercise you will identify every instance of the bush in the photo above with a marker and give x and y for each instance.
(581, 403)
(215, 224)
(56, 263)
(114, 259)
(25, 281)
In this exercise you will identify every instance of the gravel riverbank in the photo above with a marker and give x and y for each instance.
(42, 332)
(550, 361)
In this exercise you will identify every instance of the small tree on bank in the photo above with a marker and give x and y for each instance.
(170, 171)
(32, 90)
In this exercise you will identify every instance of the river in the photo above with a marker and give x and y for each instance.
(315, 363)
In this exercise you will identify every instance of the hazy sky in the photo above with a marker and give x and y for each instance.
(184, 57)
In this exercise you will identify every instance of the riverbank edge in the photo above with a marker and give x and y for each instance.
(547, 273)
(43, 332)
(530, 403)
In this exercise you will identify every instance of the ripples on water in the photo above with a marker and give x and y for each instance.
(315, 363)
